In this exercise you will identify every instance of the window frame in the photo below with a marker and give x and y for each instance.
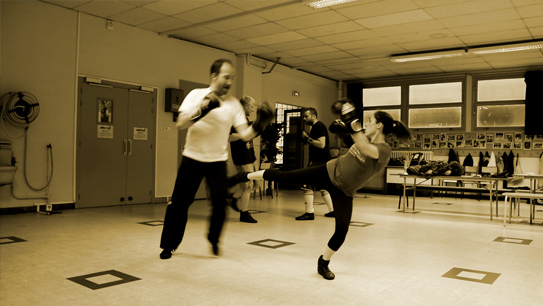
(475, 104)
(405, 106)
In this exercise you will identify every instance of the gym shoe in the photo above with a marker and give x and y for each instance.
(306, 216)
(322, 269)
(245, 216)
(232, 202)
(236, 179)
(330, 214)
(166, 253)
(215, 249)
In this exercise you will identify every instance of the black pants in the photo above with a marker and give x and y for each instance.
(189, 177)
(318, 176)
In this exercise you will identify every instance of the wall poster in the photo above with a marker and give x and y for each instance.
(105, 111)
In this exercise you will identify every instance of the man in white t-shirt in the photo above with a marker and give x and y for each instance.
(209, 114)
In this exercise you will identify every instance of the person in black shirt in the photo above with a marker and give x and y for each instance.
(319, 153)
(243, 156)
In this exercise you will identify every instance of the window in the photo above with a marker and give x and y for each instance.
(281, 107)
(435, 105)
(499, 103)
(388, 99)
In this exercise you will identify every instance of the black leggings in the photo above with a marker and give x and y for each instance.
(318, 175)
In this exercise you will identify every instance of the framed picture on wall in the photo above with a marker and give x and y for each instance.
(527, 145)
(517, 145)
(481, 136)
(518, 137)
(499, 136)
(509, 137)
(468, 143)
(537, 145)
(497, 145)
(490, 138)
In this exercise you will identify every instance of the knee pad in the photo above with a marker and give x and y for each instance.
(324, 192)
(308, 192)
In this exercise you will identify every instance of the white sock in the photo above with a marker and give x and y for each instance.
(327, 199)
(328, 253)
(309, 203)
(258, 175)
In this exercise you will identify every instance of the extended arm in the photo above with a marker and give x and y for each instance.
(365, 147)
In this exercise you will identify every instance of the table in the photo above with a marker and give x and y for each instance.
(493, 182)
(533, 187)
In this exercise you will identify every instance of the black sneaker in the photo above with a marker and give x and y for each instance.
(166, 253)
(236, 179)
(306, 216)
(322, 269)
(232, 202)
(215, 249)
(246, 217)
(330, 214)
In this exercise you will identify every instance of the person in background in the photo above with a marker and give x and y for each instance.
(243, 156)
(343, 176)
(319, 153)
(209, 114)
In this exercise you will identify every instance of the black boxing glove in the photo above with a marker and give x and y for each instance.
(338, 126)
(264, 117)
(210, 102)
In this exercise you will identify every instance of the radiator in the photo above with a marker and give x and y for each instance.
(427, 155)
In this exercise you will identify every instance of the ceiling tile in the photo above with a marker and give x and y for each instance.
(537, 33)
(489, 27)
(257, 50)
(366, 43)
(531, 11)
(276, 38)
(296, 44)
(433, 44)
(193, 32)
(207, 13)
(421, 36)
(394, 19)
(517, 63)
(378, 8)
(313, 50)
(258, 30)
(249, 5)
(432, 3)
(480, 18)
(534, 22)
(216, 38)
(137, 16)
(525, 2)
(236, 23)
(164, 24)
(289, 11)
(464, 67)
(312, 20)
(172, 7)
(329, 29)
(471, 7)
(376, 52)
(328, 56)
(497, 37)
(346, 37)
(236, 46)
(105, 8)
(292, 61)
(67, 3)
(139, 2)
(414, 27)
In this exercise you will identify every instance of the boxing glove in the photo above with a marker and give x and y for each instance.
(338, 126)
(210, 102)
(345, 109)
(264, 116)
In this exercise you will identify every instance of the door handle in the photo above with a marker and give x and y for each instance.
(129, 146)
(125, 146)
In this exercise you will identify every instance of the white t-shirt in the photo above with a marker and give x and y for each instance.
(207, 139)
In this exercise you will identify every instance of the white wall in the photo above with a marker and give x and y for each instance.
(40, 44)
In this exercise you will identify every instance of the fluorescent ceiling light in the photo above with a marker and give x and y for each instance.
(508, 48)
(324, 3)
(427, 56)
(473, 51)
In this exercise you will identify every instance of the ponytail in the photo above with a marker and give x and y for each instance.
(391, 126)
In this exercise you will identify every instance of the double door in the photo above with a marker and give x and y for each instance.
(115, 146)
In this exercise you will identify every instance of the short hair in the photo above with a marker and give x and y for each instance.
(216, 66)
(311, 110)
(245, 100)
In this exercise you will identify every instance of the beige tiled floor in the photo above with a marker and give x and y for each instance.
(389, 258)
